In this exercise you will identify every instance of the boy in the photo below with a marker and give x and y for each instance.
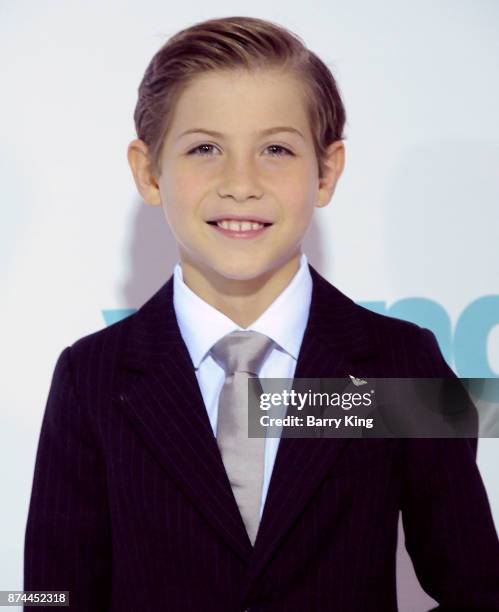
(148, 494)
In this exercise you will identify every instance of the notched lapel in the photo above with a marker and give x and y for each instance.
(336, 343)
(157, 389)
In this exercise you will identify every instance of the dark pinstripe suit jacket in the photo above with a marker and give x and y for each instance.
(131, 509)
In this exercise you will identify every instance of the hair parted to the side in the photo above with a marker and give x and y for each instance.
(235, 43)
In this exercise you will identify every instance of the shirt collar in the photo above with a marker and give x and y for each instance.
(201, 325)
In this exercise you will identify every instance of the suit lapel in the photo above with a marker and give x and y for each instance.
(159, 393)
(336, 343)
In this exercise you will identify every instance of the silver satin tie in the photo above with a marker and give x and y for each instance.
(241, 354)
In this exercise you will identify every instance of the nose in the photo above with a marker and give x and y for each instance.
(239, 180)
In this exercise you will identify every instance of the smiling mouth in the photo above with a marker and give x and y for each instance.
(239, 226)
(244, 229)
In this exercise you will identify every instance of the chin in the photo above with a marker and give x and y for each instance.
(241, 272)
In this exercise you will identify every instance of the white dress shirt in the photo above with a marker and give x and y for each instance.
(201, 326)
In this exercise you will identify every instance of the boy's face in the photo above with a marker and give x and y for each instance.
(243, 172)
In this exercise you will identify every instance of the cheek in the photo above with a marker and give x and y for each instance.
(184, 193)
(180, 200)
(298, 205)
(181, 184)
(298, 187)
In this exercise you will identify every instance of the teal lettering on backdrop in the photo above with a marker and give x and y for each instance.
(470, 338)
(465, 350)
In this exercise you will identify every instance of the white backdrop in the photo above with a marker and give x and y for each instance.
(415, 214)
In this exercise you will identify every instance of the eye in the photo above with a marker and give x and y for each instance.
(281, 149)
(202, 149)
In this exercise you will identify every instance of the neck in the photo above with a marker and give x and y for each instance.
(242, 301)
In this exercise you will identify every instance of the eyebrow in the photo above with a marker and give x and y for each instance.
(268, 131)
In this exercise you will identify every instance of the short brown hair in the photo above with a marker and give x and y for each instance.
(231, 43)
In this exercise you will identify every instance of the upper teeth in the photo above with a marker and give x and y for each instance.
(239, 226)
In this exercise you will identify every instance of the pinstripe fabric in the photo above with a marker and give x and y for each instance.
(131, 509)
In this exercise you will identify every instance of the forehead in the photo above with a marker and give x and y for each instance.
(236, 100)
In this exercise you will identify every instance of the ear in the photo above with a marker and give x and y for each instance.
(333, 167)
(141, 166)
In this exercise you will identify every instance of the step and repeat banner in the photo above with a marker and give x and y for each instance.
(412, 230)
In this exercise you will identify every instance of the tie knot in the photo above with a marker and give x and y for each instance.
(242, 351)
